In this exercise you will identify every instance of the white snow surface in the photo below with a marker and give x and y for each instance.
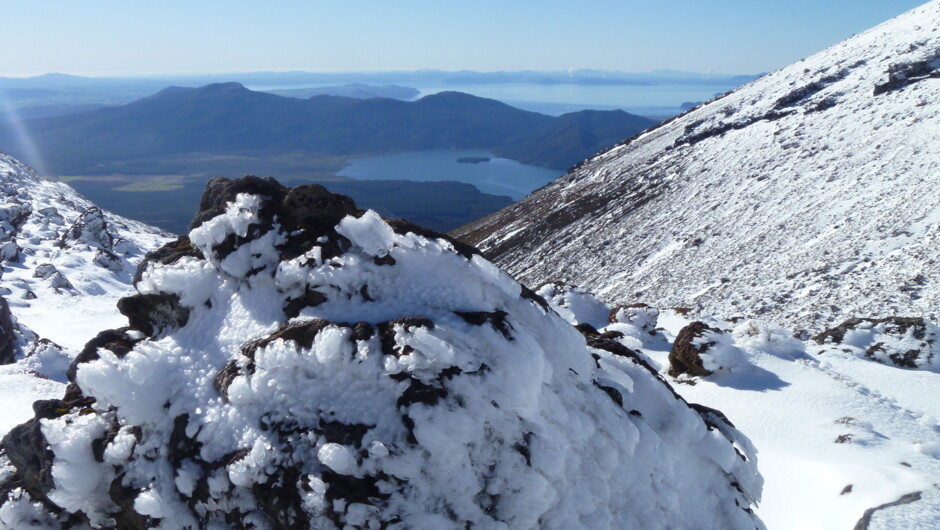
(802, 198)
(68, 316)
(837, 433)
(506, 422)
(61, 287)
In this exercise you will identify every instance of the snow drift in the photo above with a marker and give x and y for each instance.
(803, 198)
(298, 362)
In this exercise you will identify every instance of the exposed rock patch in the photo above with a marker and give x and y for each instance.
(7, 334)
(90, 228)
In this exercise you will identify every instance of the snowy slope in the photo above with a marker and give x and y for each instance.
(298, 362)
(837, 434)
(804, 197)
(65, 263)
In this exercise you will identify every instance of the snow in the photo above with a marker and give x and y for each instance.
(802, 198)
(795, 399)
(56, 292)
(18, 389)
(574, 305)
(480, 408)
(67, 316)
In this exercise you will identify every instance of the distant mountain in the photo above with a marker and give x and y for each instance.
(352, 90)
(805, 197)
(228, 118)
(408, 78)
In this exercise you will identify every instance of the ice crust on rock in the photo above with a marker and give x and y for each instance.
(339, 370)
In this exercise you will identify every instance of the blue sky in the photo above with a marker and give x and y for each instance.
(106, 37)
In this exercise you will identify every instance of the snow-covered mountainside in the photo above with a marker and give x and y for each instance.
(845, 424)
(805, 197)
(297, 362)
(65, 263)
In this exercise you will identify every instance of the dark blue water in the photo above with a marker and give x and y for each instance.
(499, 176)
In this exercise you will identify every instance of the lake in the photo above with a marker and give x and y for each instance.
(499, 176)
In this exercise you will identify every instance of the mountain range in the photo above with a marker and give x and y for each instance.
(228, 118)
(352, 90)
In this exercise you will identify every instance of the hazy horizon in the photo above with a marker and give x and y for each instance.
(111, 38)
(168, 74)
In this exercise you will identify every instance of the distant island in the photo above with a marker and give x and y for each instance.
(473, 159)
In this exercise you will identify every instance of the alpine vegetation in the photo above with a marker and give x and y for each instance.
(298, 362)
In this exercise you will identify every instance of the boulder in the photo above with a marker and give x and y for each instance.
(691, 343)
(7, 334)
(639, 315)
(91, 229)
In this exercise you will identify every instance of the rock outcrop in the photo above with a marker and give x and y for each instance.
(298, 362)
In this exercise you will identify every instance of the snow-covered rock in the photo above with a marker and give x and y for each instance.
(297, 362)
(841, 438)
(574, 305)
(804, 197)
(899, 341)
(700, 350)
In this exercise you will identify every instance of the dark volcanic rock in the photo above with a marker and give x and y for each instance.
(892, 325)
(7, 334)
(114, 340)
(153, 314)
(167, 254)
(221, 191)
(28, 451)
(685, 356)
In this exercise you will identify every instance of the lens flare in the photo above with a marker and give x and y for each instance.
(24, 141)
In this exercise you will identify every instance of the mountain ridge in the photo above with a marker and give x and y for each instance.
(227, 117)
(798, 197)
